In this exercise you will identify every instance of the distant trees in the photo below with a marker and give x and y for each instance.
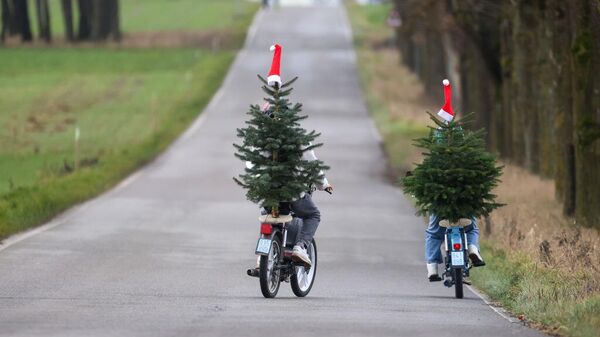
(15, 19)
(528, 68)
(97, 20)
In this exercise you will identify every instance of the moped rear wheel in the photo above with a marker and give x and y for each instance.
(269, 273)
(457, 274)
(302, 279)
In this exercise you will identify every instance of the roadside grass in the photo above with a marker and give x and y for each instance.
(399, 116)
(539, 265)
(550, 299)
(129, 105)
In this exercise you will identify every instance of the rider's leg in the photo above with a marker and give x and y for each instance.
(305, 209)
(473, 240)
(434, 236)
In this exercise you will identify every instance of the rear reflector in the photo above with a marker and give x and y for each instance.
(266, 229)
(457, 246)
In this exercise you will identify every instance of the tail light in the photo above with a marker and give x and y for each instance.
(456, 246)
(266, 229)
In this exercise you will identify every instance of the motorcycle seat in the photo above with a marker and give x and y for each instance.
(463, 222)
(268, 218)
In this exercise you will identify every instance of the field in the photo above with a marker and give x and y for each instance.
(128, 105)
(540, 264)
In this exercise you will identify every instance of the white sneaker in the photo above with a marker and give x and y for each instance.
(432, 272)
(300, 255)
(475, 256)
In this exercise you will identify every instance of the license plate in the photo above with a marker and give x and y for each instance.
(263, 247)
(457, 258)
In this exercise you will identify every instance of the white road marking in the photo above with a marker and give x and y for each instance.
(59, 220)
(503, 313)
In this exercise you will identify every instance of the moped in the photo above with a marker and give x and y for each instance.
(456, 258)
(274, 247)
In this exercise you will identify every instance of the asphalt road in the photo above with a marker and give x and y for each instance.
(165, 253)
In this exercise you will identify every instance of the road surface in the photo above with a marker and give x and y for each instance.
(165, 253)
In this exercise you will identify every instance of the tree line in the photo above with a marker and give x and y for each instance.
(529, 69)
(84, 20)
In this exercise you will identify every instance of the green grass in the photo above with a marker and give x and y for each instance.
(128, 104)
(154, 15)
(563, 303)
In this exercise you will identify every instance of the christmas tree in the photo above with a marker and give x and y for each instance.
(457, 175)
(274, 142)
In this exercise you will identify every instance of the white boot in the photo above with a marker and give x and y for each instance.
(475, 256)
(432, 272)
(299, 254)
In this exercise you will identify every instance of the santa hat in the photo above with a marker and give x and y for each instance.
(446, 110)
(274, 73)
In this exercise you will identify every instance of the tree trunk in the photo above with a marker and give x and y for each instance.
(5, 19)
(105, 22)
(114, 26)
(43, 18)
(586, 108)
(67, 9)
(21, 12)
(561, 60)
(85, 19)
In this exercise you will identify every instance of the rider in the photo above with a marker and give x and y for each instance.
(303, 207)
(434, 235)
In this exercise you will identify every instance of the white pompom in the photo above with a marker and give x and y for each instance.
(272, 48)
(446, 82)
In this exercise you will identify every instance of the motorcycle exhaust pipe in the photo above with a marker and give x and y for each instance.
(252, 272)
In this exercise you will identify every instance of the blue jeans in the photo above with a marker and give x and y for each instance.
(434, 238)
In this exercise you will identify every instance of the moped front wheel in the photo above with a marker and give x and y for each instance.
(303, 279)
(457, 274)
(269, 272)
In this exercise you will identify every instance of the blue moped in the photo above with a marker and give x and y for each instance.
(456, 259)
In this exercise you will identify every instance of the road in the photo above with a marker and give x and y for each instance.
(165, 253)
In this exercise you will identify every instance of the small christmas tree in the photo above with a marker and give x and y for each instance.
(457, 176)
(274, 143)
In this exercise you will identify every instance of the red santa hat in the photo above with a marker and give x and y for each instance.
(446, 111)
(274, 73)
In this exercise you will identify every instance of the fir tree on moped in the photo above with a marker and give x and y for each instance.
(453, 185)
(281, 174)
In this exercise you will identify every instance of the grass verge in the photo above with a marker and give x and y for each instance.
(555, 290)
(552, 300)
(128, 104)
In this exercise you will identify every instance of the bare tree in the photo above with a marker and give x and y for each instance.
(20, 11)
(67, 9)
(43, 18)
